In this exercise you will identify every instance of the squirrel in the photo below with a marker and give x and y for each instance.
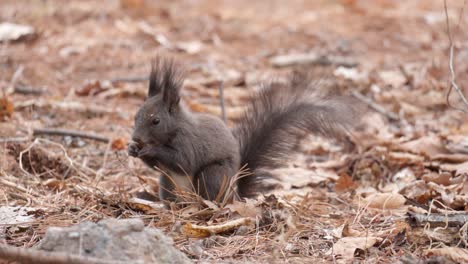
(197, 152)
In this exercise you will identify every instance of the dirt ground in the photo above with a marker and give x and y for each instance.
(399, 193)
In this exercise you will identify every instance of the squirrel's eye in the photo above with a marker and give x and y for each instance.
(156, 121)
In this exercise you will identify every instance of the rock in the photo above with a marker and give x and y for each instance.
(114, 239)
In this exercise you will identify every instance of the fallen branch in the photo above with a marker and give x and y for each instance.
(72, 133)
(71, 106)
(13, 139)
(23, 89)
(26, 255)
(311, 58)
(390, 115)
(13, 186)
(454, 220)
(130, 79)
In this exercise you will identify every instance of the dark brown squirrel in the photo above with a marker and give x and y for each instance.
(197, 152)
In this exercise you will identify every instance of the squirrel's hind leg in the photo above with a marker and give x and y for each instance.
(213, 181)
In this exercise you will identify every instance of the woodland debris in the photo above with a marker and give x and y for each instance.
(193, 230)
(190, 47)
(459, 255)
(385, 201)
(6, 108)
(36, 159)
(311, 58)
(437, 220)
(346, 247)
(390, 115)
(27, 90)
(12, 32)
(71, 106)
(72, 133)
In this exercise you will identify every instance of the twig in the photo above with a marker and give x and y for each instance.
(26, 255)
(221, 101)
(73, 133)
(130, 79)
(13, 139)
(453, 83)
(456, 219)
(72, 106)
(311, 58)
(15, 78)
(390, 115)
(16, 187)
(23, 89)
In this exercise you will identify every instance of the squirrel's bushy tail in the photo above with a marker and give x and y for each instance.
(280, 113)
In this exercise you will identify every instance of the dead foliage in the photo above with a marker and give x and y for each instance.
(398, 192)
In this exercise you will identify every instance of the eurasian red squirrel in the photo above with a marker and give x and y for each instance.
(197, 152)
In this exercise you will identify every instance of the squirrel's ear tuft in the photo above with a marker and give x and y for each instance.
(165, 78)
(172, 80)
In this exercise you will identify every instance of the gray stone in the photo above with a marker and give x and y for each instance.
(125, 240)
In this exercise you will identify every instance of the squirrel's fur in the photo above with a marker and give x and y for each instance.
(198, 152)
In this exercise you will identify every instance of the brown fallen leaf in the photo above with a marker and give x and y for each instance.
(417, 190)
(132, 4)
(93, 88)
(459, 255)
(385, 200)
(346, 246)
(442, 178)
(145, 206)
(54, 184)
(119, 144)
(247, 209)
(344, 183)
(428, 145)
(6, 108)
(193, 230)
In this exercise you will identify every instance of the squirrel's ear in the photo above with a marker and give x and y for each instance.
(155, 78)
(171, 82)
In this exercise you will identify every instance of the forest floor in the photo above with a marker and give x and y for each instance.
(399, 193)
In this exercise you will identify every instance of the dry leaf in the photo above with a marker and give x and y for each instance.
(394, 78)
(191, 47)
(459, 255)
(12, 215)
(442, 178)
(385, 200)
(193, 230)
(119, 144)
(417, 190)
(6, 108)
(10, 31)
(299, 177)
(145, 206)
(132, 4)
(247, 209)
(344, 183)
(427, 145)
(93, 88)
(54, 184)
(346, 246)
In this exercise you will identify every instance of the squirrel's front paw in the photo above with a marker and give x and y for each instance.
(133, 149)
(145, 153)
